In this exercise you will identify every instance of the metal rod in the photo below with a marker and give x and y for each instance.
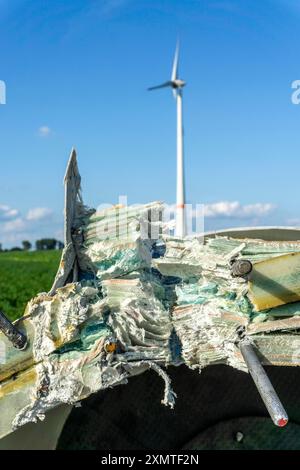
(241, 267)
(18, 339)
(180, 230)
(263, 384)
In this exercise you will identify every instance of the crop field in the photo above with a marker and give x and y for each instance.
(22, 276)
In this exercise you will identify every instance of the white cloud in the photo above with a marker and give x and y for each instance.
(7, 213)
(16, 225)
(222, 214)
(42, 222)
(226, 209)
(44, 131)
(234, 209)
(39, 222)
(39, 213)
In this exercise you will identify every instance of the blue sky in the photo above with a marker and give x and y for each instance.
(76, 73)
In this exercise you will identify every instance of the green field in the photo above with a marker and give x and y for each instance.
(22, 276)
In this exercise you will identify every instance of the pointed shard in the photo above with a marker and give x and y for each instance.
(72, 168)
(174, 75)
(72, 182)
(72, 190)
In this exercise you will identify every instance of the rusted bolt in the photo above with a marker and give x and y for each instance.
(241, 267)
(110, 346)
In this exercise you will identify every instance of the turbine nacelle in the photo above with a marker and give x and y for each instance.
(178, 83)
(175, 82)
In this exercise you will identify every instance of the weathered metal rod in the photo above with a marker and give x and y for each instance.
(263, 384)
(241, 267)
(18, 339)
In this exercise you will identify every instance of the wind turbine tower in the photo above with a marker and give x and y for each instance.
(177, 84)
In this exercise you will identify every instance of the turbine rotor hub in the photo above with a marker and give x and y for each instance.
(178, 83)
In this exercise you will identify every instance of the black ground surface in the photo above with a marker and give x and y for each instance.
(207, 414)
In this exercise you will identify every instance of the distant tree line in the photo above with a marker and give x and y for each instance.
(48, 244)
(40, 245)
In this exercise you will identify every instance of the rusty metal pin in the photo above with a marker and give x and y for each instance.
(263, 384)
(18, 339)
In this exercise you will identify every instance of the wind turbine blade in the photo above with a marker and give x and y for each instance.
(163, 85)
(175, 64)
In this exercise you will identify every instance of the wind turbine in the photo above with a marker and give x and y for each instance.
(177, 84)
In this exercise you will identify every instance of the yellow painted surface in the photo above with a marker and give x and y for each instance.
(275, 282)
(14, 369)
(13, 385)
